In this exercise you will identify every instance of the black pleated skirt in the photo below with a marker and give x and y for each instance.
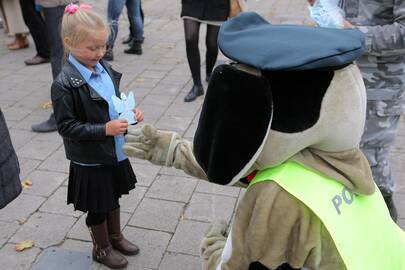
(98, 188)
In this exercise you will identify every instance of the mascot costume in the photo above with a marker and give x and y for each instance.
(285, 120)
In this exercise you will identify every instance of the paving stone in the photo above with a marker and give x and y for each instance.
(130, 202)
(207, 187)
(172, 261)
(157, 214)
(57, 204)
(191, 129)
(145, 172)
(15, 114)
(27, 166)
(13, 260)
(44, 183)
(206, 207)
(174, 172)
(20, 137)
(183, 109)
(56, 162)
(152, 246)
(166, 89)
(79, 231)
(22, 207)
(78, 245)
(187, 237)
(13, 95)
(45, 229)
(174, 123)
(37, 149)
(399, 144)
(172, 188)
(7, 229)
(154, 74)
(59, 258)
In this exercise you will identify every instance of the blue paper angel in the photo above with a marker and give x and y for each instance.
(125, 107)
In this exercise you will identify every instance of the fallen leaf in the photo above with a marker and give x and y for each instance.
(24, 245)
(140, 79)
(26, 183)
(22, 221)
(46, 105)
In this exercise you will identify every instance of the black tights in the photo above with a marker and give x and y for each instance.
(94, 218)
(191, 32)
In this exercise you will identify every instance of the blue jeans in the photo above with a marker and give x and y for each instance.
(114, 11)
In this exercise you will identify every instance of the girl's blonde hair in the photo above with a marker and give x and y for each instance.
(79, 24)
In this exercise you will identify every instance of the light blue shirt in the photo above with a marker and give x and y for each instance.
(102, 83)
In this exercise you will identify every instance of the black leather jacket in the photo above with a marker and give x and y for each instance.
(81, 114)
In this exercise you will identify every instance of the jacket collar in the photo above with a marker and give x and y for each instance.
(76, 80)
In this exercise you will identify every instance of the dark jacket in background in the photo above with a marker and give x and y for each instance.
(10, 184)
(209, 10)
(81, 114)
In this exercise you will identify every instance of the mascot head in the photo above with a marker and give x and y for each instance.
(292, 87)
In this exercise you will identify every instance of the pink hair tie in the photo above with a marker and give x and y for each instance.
(85, 6)
(71, 8)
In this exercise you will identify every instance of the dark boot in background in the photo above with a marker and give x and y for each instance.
(127, 40)
(391, 206)
(46, 126)
(116, 238)
(102, 249)
(109, 55)
(135, 47)
(195, 92)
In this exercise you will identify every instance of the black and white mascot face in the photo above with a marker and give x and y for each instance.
(297, 90)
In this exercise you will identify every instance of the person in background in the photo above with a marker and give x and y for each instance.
(36, 24)
(9, 168)
(135, 16)
(194, 12)
(53, 11)
(13, 20)
(382, 67)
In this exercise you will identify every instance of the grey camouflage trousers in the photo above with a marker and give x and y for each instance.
(379, 135)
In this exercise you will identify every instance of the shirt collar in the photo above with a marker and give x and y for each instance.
(84, 71)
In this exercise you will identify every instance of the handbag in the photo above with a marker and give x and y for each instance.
(236, 6)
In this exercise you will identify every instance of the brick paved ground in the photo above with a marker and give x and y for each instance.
(168, 211)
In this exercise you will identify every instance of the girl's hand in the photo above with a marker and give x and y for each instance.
(116, 127)
(138, 115)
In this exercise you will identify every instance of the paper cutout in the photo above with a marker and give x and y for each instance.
(125, 107)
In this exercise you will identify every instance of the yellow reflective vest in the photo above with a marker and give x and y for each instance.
(360, 226)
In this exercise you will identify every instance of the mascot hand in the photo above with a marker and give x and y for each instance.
(214, 239)
(213, 244)
(151, 144)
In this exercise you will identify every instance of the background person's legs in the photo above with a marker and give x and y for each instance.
(38, 30)
(211, 41)
(53, 18)
(114, 10)
(378, 138)
(191, 33)
(135, 15)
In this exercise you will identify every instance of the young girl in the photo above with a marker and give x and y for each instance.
(93, 136)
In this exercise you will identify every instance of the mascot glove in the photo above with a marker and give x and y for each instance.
(214, 241)
(149, 143)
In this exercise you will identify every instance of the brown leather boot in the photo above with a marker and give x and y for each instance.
(116, 238)
(102, 249)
